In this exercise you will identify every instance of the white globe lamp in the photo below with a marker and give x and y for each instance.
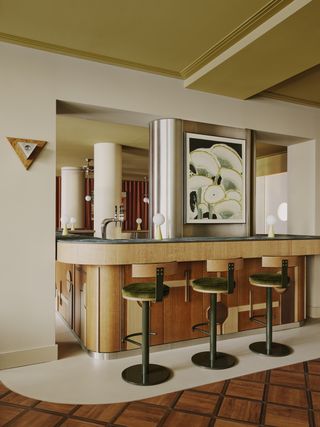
(73, 221)
(271, 220)
(158, 219)
(64, 222)
(138, 221)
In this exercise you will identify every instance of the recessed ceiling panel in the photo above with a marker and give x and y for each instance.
(286, 50)
(303, 88)
(157, 35)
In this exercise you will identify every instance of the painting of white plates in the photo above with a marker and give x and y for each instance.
(215, 179)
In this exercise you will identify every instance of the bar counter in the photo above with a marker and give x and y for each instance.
(96, 251)
(90, 273)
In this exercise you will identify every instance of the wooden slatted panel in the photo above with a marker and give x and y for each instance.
(88, 206)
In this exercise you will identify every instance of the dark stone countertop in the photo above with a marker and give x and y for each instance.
(72, 238)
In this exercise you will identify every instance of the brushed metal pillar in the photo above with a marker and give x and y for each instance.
(166, 176)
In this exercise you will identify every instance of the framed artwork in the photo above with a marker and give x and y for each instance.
(214, 179)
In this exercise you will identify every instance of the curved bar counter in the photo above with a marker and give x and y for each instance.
(91, 302)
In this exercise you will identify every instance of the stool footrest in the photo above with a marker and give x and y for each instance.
(197, 328)
(255, 319)
(127, 338)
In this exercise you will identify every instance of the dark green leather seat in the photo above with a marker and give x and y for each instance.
(266, 279)
(211, 285)
(142, 291)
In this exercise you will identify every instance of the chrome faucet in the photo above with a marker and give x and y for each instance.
(117, 219)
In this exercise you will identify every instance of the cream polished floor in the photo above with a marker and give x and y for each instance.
(79, 379)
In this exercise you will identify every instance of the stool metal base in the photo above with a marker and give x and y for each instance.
(222, 360)
(277, 350)
(157, 374)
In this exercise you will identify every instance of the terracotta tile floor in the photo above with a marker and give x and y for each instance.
(288, 396)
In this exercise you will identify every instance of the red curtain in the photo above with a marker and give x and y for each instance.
(134, 206)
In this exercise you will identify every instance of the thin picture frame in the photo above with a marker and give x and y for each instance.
(214, 179)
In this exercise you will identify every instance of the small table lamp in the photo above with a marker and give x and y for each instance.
(271, 220)
(138, 221)
(158, 220)
(64, 222)
(73, 222)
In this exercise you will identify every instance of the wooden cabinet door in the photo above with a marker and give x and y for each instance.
(64, 289)
(180, 314)
(79, 301)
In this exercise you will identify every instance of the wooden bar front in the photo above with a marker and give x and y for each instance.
(105, 268)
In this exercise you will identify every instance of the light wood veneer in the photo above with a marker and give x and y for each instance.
(108, 269)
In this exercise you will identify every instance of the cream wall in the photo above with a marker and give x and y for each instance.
(30, 83)
(302, 186)
(303, 192)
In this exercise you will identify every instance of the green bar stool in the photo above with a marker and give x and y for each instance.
(213, 286)
(147, 373)
(278, 281)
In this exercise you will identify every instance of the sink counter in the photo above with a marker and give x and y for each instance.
(96, 251)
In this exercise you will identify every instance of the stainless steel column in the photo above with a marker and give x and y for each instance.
(166, 175)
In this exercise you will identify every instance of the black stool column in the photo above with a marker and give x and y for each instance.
(146, 373)
(213, 359)
(145, 342)
(268, 347)
(213, 329)
(269, 321)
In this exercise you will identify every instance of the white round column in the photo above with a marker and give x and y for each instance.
(72, 194)
(107, 185)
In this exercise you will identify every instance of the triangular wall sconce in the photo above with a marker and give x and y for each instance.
(26, 149)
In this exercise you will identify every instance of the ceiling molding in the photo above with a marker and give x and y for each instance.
(286, 98)
(244, 29)
(48, 47)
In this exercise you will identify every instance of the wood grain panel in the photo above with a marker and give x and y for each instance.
(110, 308)
(300, 294)
(121, 254)
(93, 308)
(172, 319)
(177, 317)
(78, 280)
(63, 296)
(157, 322)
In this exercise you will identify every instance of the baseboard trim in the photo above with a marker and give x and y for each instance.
(313, 312)
(31, 356)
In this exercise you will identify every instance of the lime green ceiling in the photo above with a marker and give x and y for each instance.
(304, 87)
(164, 36)
(282, 52)
(235, 48)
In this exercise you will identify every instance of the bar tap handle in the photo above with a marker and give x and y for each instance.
(121, 214)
